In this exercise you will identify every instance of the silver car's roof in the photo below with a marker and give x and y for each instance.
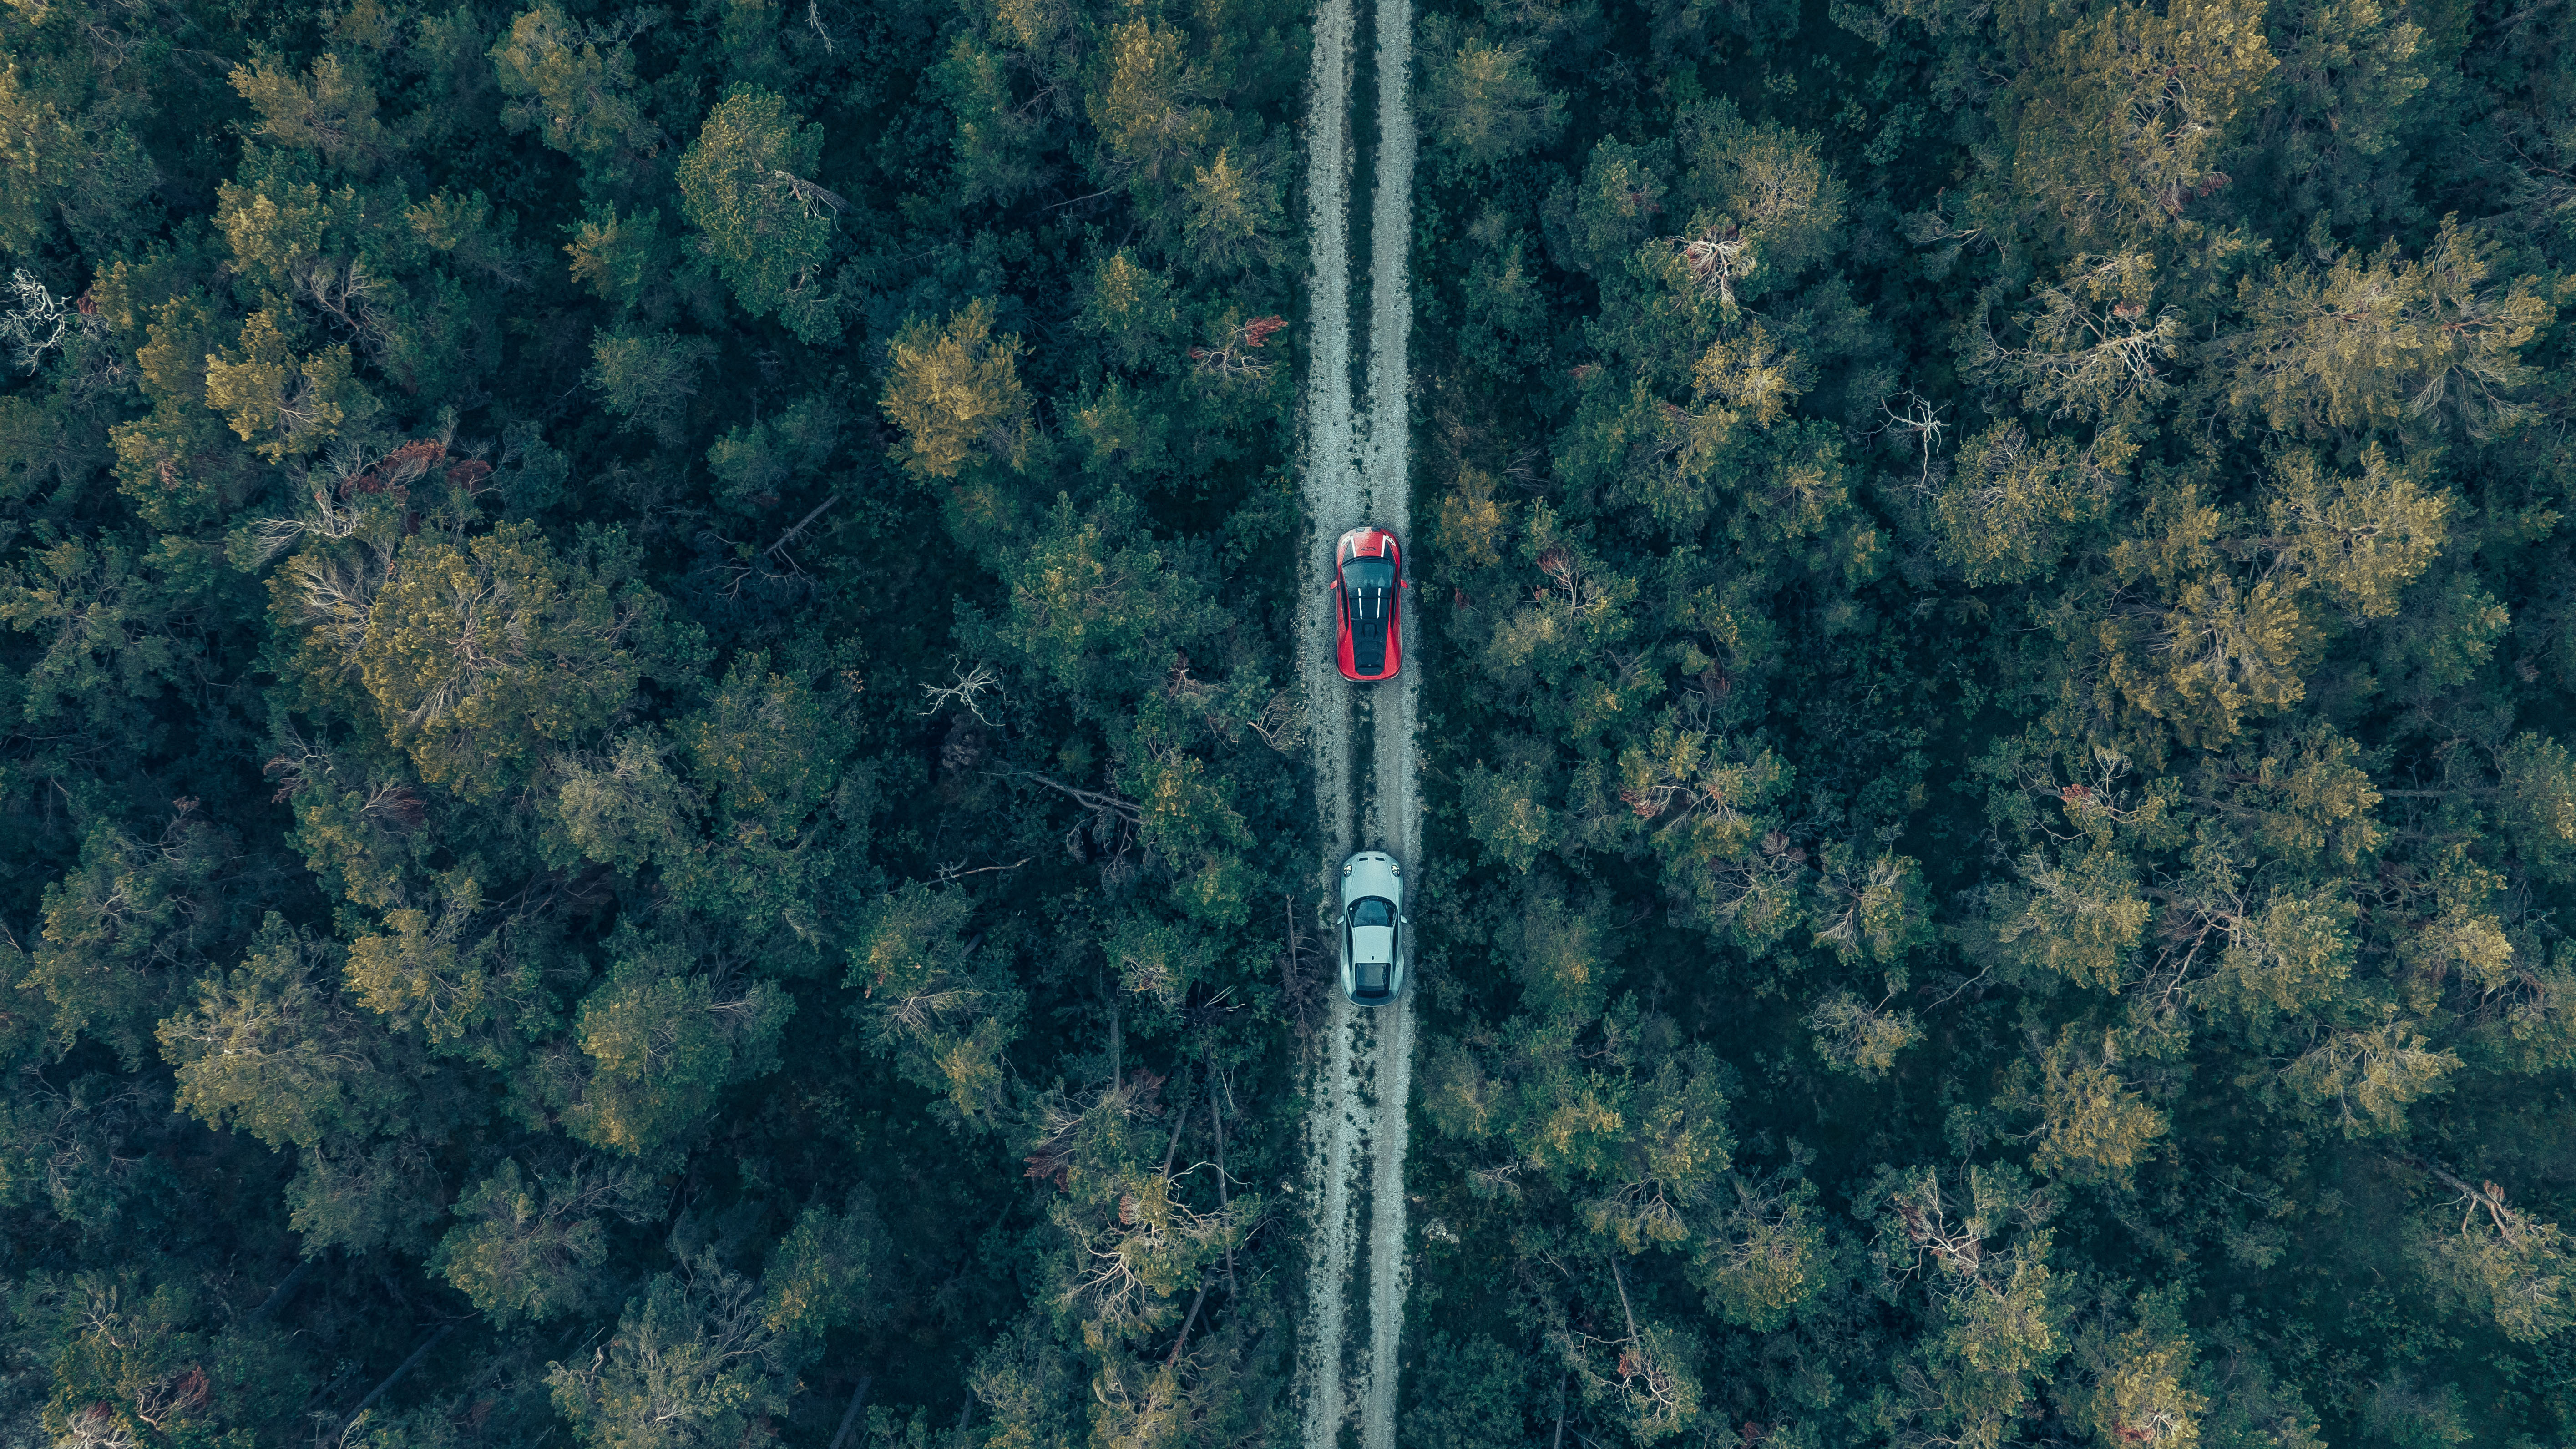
(1372, 875)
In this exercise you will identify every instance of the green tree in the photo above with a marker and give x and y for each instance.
(2502, 1261)
(274, 1050)
(533, 1248)
(694, 1362)
(757, 466)
(946, 1022)
(2138, 1382)
(1143, 104)
(1766, 1254)
(478, 653)
(663, 1041)
(2382, 340)
(2011, 503)
(2126, 121)
(1854, 1036)
(574, 84)
(648, 378)
(817, 1276)
(2091, 1123)
(332, 112)
(955, 393)
(1097, 606)
(745, 184)
(67, 162)
(1485, 104)
(124, 927)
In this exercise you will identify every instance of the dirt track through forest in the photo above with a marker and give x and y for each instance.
(1357, 470)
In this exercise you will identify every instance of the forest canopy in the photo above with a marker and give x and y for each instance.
(652, 791)
(2002, 571)
(636, 662)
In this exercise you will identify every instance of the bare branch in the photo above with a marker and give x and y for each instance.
(968, 691)
(950, 871)
(798, 530)
(1117, 805)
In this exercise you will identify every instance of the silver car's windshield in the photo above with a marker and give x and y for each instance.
(1372, 911)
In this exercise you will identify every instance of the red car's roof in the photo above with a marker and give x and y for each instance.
(1378, 655)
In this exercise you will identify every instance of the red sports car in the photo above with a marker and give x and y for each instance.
(1368, 615)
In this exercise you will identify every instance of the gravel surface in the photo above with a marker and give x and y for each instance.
(1331, 493)
(1357, 471)
(1394, 795)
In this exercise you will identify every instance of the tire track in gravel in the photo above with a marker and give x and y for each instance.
(1395, 791)
(1329, 486)
(1357, 470)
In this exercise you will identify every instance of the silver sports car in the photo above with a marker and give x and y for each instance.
(1373, 927)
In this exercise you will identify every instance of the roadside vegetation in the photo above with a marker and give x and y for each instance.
(642, 716)
(2001, 637)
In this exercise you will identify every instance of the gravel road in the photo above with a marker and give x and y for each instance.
(1357, 471)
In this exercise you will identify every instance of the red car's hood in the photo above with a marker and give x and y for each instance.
(1376, 543)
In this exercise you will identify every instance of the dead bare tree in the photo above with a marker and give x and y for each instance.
(1114, 823)
(341, 289)
(1281, 724)
(797, 529)
(1216, 1129)
(1149, 1231)
(2484, 1197)
(1117, 805)
(967, 690)
(1654, 1390)
(1302, 989)
(40, 321)
(808, 194)
(1232, 357)
(1717, 258)
(955, 870)
(1919, 420)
